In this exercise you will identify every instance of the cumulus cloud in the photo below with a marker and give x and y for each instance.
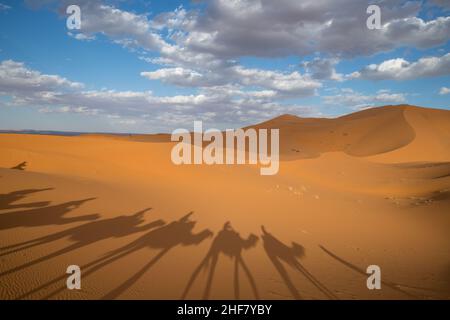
(117, 24)
(444, 90)
(228, 29)
(292, 84)
(415, 32)
(16, 78)
(287, 27)
(220, 106)
(178, 76)
(285, 83)
(323, 69)
(400, 69)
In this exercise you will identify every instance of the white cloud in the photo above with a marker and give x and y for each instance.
(70, 109)
(177, 76)
(126, 122)
(81, 36)
(444, 90)
(284, 83)
(118, 24)
(400, 69)
(349, 98)
(219, 106)
(16, 78)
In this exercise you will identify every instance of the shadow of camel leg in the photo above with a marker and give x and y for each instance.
(42, 259)
(236, 278)
(284, 275)
(194, 276)
(250, 277)
(20, 244)
(101, 263)
(389, 284)
(214, 260)
(127, 284)
(96, 265)
(31, 243)
(29, 246)
(327, 292)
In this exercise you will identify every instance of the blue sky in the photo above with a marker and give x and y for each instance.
(153, 66)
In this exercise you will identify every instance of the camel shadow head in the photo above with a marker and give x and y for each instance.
(251, 241)
(140, 214)
(297, 250)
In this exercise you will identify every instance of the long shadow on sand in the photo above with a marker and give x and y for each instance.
(50, 215)
(391, 285)
(165, 238)
(230, 243)
(84, 235)
(90, 232)
(7, 200)
(279, 252)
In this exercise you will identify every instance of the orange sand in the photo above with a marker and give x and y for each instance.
(369, 188)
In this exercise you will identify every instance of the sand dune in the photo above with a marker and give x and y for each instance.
(367, 133)
(371, 187)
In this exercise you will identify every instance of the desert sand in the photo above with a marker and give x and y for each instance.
(369, 188)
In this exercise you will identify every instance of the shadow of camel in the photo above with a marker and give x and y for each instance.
(20, 166)
(50, 215)
(391, 285)
(278, 252)
(230, 243)
(7, 199)
(165, 238)
(87, 234)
